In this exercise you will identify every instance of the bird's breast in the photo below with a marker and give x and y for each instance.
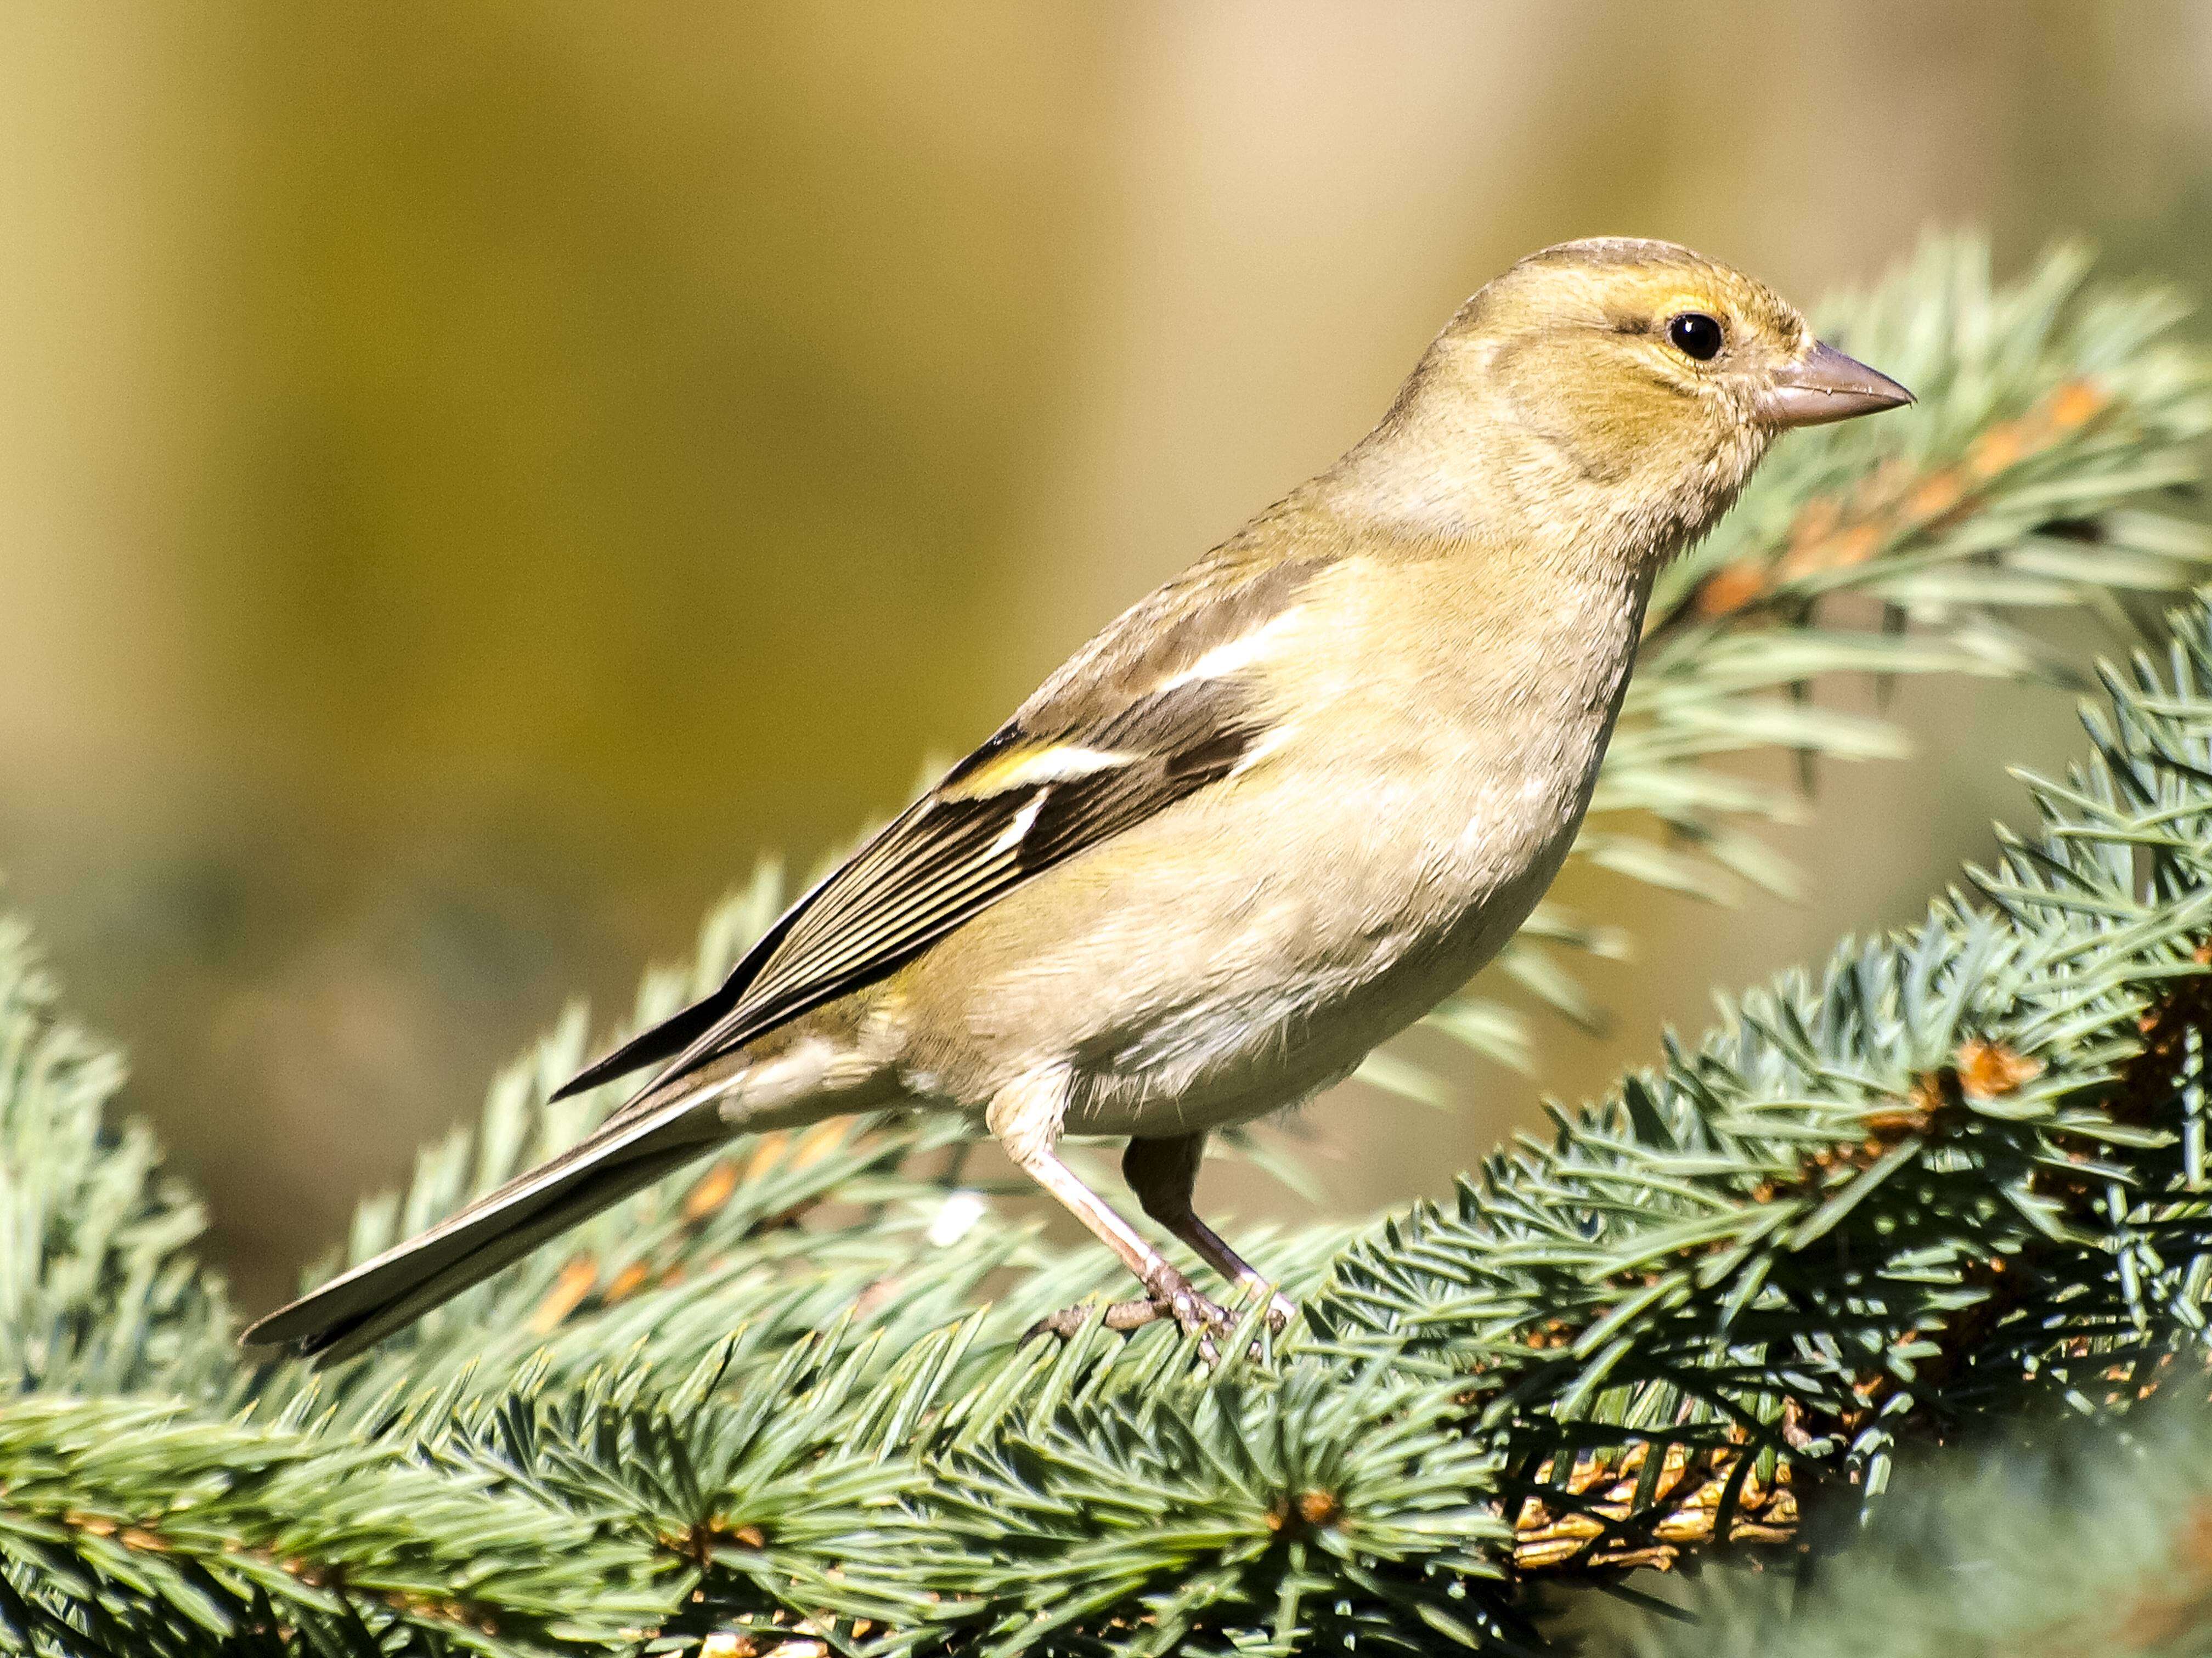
(1359, 909)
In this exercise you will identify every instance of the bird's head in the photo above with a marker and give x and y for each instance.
(1631, 384)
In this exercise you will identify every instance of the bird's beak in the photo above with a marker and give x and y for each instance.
(1824, 384)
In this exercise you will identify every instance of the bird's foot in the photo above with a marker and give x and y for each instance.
(1173, 1297)
(1129, 1316)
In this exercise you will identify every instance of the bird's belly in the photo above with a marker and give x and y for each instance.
(1258, 1044)
(1217, 1064)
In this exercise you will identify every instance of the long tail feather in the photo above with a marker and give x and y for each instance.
(360, 1307)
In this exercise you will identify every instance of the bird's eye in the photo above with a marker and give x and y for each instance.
(1695, 335)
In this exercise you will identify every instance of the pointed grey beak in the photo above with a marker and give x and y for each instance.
(1824, 384)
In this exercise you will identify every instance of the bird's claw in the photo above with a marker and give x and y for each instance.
(1197, 1314)
(1194, 1312)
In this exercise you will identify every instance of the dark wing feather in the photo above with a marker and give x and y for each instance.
(1123, 731)
(678, 1031)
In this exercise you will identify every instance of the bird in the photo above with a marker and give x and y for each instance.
(1270, 816)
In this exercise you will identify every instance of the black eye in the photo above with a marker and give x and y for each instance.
(1695, 335)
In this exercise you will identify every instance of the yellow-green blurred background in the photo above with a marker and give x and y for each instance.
(473, 477)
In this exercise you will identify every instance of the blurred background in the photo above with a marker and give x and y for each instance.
(474, 478)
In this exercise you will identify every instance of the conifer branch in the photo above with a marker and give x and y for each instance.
(99, 1289)
(2093, 1539)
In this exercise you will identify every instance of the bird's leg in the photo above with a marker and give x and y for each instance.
(1025, 1117)
(1164, 1174)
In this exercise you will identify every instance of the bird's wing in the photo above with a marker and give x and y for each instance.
(1157, 707)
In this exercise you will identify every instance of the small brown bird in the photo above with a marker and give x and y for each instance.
(1271, 815)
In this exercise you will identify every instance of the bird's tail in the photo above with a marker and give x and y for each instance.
(629, 1150)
